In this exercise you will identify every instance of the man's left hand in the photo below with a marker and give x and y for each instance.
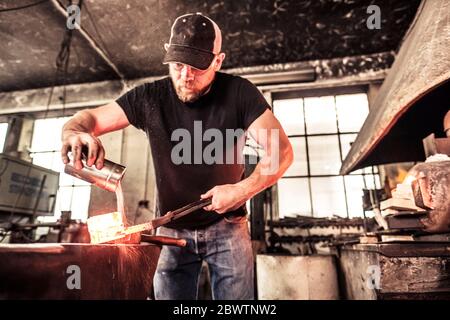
(227, 197)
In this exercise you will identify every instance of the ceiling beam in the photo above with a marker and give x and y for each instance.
(77, 96)
(334, 72)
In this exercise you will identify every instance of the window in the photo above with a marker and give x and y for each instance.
(3, 129)
(73, 193)
(321, 130)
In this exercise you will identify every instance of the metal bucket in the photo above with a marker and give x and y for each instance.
(107, 178)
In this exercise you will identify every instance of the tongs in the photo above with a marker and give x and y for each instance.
(110, 226)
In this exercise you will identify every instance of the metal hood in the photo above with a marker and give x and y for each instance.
(414, 97)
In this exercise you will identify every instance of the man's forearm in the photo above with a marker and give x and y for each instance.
(260, 180)
(82, 121)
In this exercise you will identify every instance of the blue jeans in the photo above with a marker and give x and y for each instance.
(226, 248)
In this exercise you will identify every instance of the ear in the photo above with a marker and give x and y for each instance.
(166, 46)
(218, 61)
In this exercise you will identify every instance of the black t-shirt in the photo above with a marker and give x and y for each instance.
(183, 173)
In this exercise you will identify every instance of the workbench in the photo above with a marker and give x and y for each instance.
(77, 271)
(409, 270)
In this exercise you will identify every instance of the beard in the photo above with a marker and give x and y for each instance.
(186, 95)
(187, 92)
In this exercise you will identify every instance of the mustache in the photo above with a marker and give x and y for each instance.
(189, 96)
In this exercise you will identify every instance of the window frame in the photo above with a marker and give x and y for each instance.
(70, 187)
(367, 173)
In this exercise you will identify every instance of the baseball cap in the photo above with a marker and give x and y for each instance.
(194, 40)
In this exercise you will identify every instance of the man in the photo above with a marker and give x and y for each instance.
(195, 97)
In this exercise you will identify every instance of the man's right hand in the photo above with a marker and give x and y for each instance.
(74, 141)
(81, 133)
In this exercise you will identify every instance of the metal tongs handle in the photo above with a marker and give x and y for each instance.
(181, 212)
(191, 207)
(168, 217)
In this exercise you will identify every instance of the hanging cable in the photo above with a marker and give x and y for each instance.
(62, 66)
(100, 49)
(62, 63)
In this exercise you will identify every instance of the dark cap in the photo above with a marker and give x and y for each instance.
(194, 40)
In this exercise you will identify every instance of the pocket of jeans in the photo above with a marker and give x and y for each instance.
(235, 219)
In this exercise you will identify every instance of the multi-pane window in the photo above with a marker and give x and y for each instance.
(3, 129)
(73, 194)
(321, 130)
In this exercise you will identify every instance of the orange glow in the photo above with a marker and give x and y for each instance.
(105, 227)
(409, 179)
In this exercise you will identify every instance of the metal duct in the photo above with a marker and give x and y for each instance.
(414, 97)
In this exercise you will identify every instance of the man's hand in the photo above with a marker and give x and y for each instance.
(74, 141)
(83, 130)
(227, 197)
